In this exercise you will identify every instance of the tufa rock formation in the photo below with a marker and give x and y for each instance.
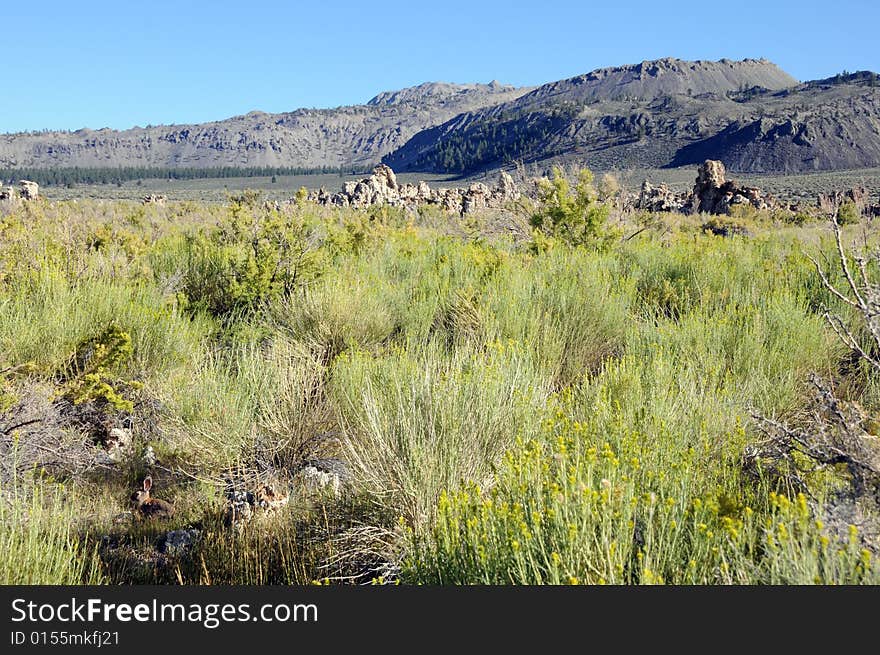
(382, 188)
(659, 199)
(830, 202)
(714, 194)
(27, 190)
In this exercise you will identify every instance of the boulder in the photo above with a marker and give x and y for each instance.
(243, 505)
(450, 200)
(385, 177)
(118, 444)
(272, 496)
(149, 456)
(476, 197)
(506, 190)
(711, 174)
(27, 190)
(239, 507)
(424, 193)
(322, 476)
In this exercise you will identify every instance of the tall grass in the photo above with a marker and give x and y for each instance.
(38, 539)
(420, 422)
(44, 317)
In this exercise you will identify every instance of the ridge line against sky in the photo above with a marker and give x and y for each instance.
(100, 64)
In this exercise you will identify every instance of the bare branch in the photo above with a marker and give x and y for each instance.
(827, 284)
(845, 265)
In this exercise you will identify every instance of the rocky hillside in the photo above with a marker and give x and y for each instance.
(663, 77)
(827, 125)
(749, 114)
(347, 136)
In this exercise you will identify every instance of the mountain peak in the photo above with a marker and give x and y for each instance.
(671, 76)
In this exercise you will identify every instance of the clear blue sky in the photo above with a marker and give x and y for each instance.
(117, 64)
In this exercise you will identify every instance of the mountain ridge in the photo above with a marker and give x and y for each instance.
(757, 120)
(353, 135)
(749, 113)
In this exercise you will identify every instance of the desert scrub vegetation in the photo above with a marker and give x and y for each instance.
(39, 540)
(337, 395)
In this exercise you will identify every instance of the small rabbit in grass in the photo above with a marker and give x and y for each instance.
(149, 507)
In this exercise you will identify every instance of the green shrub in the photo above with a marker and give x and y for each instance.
(848, 214)
(89, 377)
(797, 218)
(583, 512)
(576, 217)
(570, 308)
(45, 319)
(245, 261)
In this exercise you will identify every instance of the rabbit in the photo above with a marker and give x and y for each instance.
(149, 507)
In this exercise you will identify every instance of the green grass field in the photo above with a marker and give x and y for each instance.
(510, 405)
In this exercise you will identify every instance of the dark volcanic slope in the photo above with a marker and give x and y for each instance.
(749, 114)
(346, 136)
(819, 126)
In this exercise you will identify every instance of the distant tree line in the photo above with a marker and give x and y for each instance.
(502, 139)
(69, 176)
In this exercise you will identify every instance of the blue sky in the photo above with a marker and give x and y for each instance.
(117, 64)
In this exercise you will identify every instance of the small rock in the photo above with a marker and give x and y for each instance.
(178, 542)
(119, 444)
(319, 476)
(125, 517)
(239, 506)
(272, 497)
